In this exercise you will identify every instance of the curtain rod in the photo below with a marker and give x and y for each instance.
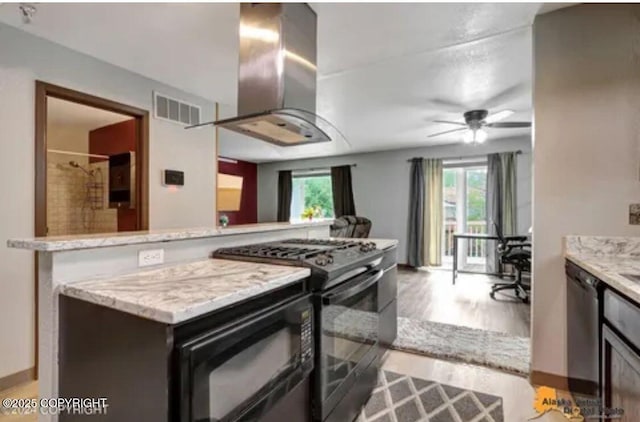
(321, 168)
(468, 157)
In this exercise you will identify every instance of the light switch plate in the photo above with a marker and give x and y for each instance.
(150, 257)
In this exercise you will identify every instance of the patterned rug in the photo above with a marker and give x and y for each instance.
(463, 344)
(401, 398)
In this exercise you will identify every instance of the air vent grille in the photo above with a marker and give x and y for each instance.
(167, 108)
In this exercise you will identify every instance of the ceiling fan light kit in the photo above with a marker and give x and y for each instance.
(475, 136)
(476, 121)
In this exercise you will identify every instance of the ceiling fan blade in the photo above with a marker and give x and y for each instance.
(500, 115)
(505, 95)
(449, 122)
(446, 105)
(447, 131)
(509, 124)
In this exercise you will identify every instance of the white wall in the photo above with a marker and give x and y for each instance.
(586, 149)
(381, 184)
(25, 58)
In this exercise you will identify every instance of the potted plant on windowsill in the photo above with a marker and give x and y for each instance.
(311, 212)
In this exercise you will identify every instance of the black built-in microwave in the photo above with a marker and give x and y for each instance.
(241, 370)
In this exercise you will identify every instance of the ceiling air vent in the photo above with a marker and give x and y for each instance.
(167, 108)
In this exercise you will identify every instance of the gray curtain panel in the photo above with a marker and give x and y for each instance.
(343, 203)
(508, 166)
(415, 247)
(501, 200)
(284, 195)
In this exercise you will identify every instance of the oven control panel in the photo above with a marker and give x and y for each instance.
(306, 335)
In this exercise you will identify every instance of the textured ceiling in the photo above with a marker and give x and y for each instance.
(385, 70)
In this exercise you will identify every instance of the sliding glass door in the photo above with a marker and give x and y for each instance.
(464, 203)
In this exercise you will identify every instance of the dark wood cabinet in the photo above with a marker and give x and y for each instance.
(621, 356)
(621, 375)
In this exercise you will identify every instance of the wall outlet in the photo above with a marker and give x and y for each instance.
(150, 257)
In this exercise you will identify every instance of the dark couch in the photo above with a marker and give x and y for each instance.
(351, 226)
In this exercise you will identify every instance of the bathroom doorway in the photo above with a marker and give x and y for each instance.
(74, 180)
(91, 164)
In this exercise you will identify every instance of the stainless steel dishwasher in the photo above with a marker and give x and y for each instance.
(583, 330)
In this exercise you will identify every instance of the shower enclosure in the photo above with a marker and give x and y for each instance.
(76, 196)
(93, 198)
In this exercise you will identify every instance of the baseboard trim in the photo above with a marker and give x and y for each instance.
(17, 378)
(549, 380)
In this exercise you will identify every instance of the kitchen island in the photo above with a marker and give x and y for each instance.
(169, 331)
(72, 259)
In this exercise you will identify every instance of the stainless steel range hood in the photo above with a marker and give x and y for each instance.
(277, 76)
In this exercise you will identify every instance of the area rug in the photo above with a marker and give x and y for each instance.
(434, 339)
(401, 398)
(463, 344)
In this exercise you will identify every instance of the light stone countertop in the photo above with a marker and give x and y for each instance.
(607, 258)
(90, 241)
(177, 293)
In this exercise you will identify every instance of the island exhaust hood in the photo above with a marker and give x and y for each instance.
(277, 76)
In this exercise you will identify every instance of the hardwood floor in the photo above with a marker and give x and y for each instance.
(429, 295)
(25, 391)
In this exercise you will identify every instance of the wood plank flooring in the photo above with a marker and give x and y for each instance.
(429, 295)
(25, 391)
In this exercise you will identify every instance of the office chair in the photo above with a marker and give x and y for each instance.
(513, 251)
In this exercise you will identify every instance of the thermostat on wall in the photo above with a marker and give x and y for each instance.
(173, 178)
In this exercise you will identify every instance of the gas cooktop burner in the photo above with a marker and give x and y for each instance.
(327, 258)
(269, 251)
(324, 242)
(337, 244)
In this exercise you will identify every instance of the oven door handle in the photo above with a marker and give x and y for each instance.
(360, 287)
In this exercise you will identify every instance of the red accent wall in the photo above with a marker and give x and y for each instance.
(249, 202)
(116, 139)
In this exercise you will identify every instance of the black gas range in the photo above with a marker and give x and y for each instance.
(332, 262)
(345, 277)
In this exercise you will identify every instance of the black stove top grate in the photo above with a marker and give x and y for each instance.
(281, 252)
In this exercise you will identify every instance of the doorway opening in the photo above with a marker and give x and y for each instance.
(91, 164)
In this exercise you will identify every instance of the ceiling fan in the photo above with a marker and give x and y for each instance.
(476, 121)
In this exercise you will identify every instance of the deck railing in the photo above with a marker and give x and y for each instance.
(476, 248)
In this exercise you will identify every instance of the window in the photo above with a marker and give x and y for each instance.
(312, 190)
